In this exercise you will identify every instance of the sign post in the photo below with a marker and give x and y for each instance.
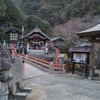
(80, 55)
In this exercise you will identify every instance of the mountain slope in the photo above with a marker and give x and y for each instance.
(60, 11)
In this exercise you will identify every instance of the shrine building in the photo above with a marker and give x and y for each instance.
(37, 40)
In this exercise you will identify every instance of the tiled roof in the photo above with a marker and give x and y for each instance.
(37, 30)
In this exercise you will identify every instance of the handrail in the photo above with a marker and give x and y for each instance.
(38, 59)
(45, 64)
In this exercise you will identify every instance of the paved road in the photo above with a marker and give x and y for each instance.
(61, 86)
(31, 71)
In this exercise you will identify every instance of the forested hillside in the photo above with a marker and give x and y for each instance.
(66, 17)
(60, 11)
(54, 17)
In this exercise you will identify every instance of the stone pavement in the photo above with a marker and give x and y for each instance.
(63, 87)
(31, 71)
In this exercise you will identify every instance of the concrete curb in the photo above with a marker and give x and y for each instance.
(35, 76)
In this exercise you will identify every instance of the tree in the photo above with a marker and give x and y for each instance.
(1, 38)
(68, 11)
(2, 8)
(12, 13)
(8, 14)
(33, 20)
(31, 7)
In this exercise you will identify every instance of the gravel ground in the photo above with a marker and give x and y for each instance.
(63, 87)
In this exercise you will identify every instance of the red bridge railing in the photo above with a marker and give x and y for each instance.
(48, 66)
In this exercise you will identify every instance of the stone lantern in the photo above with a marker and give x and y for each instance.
(57, 43)
(5, 73)
(5, 77)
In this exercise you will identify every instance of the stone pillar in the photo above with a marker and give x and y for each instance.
(51, 65)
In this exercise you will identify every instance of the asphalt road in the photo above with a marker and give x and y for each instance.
(60, 86)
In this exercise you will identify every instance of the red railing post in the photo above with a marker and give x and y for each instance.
(56, 56)
(13, 49)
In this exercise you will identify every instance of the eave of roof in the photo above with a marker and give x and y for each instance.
(36, 35)
(91, 32)
(84, 49)
(36, 29)
(11, 29)
(56, 38)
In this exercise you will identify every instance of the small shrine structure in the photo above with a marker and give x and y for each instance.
(94, 35)
(37, 40)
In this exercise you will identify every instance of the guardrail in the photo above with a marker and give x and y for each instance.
(45, 65)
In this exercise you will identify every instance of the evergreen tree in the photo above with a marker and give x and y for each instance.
(2, 8)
